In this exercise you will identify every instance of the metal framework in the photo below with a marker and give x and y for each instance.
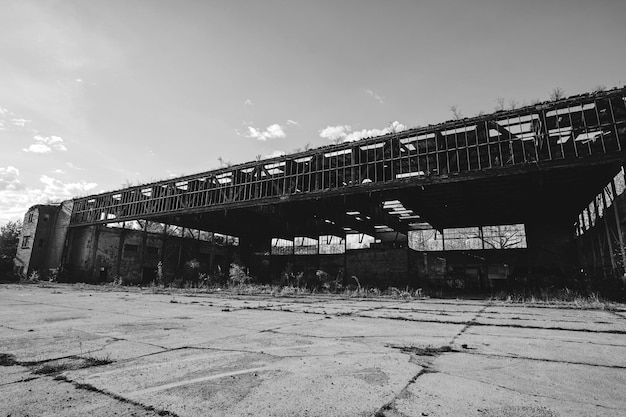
(570, 130)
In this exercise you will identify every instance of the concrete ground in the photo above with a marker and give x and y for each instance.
(79, 350)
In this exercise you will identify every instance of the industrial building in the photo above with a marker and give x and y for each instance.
(517, 197)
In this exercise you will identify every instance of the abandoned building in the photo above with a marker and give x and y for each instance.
(474, 203)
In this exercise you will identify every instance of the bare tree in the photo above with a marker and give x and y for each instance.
(500, 104)
(224, 163)
(599, 88)
(557, 94)
(456, 112)
(513, 104)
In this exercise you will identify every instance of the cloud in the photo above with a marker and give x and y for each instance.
(9, 178)
(335, 133)
(271, 132)
(20, 122)
(274, 154)
(345, 134)
(38, 148)
(3, 111)
(14, 201)
(248, 102)
(58, 190)
(45, 144)
(376, 96)
(71, 165)
(293, 122)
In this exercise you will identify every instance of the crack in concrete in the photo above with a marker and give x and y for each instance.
(468, 325)
(428, 356)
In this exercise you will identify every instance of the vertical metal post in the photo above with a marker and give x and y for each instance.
(94, 250)
(608, 234)
(618, 224)
(597, 233)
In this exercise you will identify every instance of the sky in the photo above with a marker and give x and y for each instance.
(96, 95)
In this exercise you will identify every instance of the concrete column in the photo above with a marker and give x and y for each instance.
(251, 252)
(551, 247)
(95, 237)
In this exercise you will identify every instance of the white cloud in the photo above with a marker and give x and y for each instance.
(57, 190)
(335, 133)
(293, 122)
(376, 96)
(248, 102)
(20, 122)
(59, 171)
(14, 201)
(79, 80)
(71, 165)
(45, 144)
(271, 132)
(274, 154)
(9, 178)
(3, 111)
(345, 134)
(38, 148)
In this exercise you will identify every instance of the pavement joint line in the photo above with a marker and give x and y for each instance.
(517, 326)
(546, 360)
(126, 314)
(468, 325)
(585, 342)
(20, 381)
(89, 387)
(426, 368)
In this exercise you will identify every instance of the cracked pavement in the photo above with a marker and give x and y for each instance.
(135, 352)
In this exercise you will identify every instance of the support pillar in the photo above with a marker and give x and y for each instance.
(95, 237)
(618, 224)
(254, 254)
(551, 248)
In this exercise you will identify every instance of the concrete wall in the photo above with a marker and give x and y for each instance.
(474, 270)
(101, 254)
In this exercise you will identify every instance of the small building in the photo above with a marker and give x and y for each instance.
(41, 241)
(131, 252)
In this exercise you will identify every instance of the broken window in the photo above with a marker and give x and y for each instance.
(281, 247)
(330, 245)
(425, 240)
(462, 238)
(130, 250)
(305, 246)
(504, 237)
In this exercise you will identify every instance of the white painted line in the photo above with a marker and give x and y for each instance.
(191, 381)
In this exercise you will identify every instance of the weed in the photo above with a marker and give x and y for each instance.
(52, 368)
(555, 297)
(6, 359)
(90, 361)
